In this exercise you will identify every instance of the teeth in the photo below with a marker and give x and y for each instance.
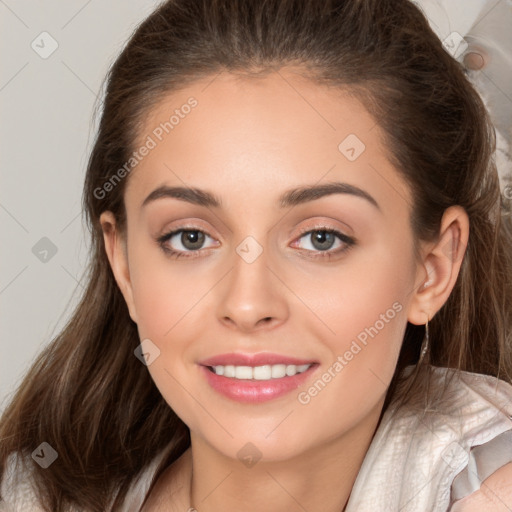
(266, 372)
(261, 372)
(229, 371)
(278, 371)
(243, 372)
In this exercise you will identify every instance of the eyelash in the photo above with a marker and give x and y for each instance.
(349, 241)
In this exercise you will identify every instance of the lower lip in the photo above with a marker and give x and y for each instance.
(255, 391)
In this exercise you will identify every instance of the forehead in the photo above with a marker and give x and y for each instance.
(229, 132)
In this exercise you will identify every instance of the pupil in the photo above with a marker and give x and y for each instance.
(322, 236)
(192, 237)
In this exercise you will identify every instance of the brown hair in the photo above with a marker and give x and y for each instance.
(88, 396)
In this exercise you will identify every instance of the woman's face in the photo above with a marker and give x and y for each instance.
(260, 281)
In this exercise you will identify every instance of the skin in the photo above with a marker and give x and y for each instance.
(476, 58)
(248, 141)
(494, 495)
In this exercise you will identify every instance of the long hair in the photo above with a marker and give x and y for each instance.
(88, 396)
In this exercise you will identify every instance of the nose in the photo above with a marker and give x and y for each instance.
(253, 295)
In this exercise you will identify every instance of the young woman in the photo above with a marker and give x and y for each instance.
(300, 291)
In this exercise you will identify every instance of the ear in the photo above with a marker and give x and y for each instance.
(440, 266)
(115, 246)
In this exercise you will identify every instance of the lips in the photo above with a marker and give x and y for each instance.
(252, 390)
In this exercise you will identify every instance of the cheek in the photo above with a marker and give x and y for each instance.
(363, 314)
(165, 291)
(170, 300)
(361, 299)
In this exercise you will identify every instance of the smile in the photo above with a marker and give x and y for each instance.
(265, 372)
(255, 378)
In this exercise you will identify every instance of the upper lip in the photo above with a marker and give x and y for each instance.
(260, 359)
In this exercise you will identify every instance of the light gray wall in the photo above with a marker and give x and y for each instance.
(45, 135)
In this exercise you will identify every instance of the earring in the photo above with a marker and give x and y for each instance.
(424, 345)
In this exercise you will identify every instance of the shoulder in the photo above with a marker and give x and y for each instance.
(17, 489)
(487, 425)
(494, 495)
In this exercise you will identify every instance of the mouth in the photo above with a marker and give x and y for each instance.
(255, 378)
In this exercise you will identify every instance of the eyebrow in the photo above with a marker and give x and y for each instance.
(292, 197)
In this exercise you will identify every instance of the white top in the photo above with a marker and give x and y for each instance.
(462, 438)
(414, 457)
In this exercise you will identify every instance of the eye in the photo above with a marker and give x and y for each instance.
(322, 240)
(191, 240)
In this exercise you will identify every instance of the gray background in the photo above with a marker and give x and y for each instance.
(46, 133)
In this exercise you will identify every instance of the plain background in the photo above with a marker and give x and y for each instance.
(47, 107)
(46, 132)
